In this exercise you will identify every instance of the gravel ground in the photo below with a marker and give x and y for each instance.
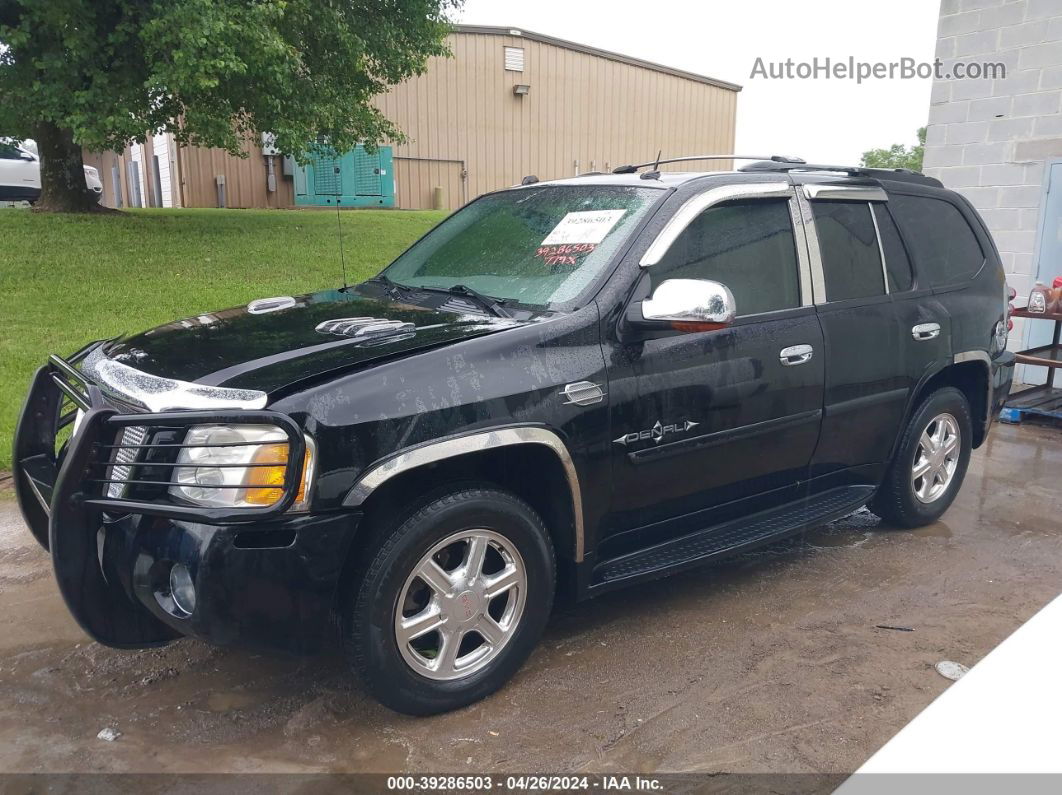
(772, 662)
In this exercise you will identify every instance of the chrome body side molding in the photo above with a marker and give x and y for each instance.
(986, 360)
(443, 449)
(973, 356)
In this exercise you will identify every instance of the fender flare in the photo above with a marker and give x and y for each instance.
(465, 444)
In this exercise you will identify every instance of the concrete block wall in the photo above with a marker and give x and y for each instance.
(991, 138)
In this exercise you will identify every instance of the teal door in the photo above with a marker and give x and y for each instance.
(353, 179)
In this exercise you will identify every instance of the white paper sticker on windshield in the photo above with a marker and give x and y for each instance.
(588, 226)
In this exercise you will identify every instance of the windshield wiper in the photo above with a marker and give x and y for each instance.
(488, 302)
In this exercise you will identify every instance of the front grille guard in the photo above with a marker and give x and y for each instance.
(87, 473)
(99, 438)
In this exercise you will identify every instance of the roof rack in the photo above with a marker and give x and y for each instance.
(895, 174)
(660, 161)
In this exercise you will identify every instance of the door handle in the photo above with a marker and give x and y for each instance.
(795, 354)
(925, 331)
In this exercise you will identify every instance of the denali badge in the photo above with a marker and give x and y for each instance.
(657, 432)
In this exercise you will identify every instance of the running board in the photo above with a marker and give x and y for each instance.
(730, 537)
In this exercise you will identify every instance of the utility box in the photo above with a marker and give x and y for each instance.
(355, 179)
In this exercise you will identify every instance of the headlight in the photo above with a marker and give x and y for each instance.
(249, 461)
(92, 172)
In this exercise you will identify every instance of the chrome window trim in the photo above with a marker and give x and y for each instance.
(164, 394)
(818, 278)
(433, 452)
(881, 248)
(845, 193)
(695, 205)
(803, 261)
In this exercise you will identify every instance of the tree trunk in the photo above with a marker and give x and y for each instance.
(63, 187)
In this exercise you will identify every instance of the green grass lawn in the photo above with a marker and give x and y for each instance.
(66, 280)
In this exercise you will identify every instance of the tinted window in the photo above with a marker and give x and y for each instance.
(897, 265)
(9, 151)
(748, 246)
(943, 246)
(850, 259)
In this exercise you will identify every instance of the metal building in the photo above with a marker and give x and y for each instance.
(508, 103)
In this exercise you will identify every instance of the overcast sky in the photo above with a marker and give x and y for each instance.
(820, 120)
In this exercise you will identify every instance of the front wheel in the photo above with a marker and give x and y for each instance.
(452, 602)
(930, 463)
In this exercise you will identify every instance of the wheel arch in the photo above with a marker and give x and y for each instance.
(969, 373)
(532, 462)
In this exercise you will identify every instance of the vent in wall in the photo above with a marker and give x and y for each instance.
(514, 59)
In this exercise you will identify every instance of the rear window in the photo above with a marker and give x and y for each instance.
(943, 246)
(848, 246)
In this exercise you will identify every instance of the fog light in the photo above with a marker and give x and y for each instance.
(182, 589)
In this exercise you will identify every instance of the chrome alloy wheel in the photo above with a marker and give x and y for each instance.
(937, 458)
(461, 604)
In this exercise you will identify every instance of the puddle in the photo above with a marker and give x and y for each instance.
(822, 537)
(230, 700)
(935, 530)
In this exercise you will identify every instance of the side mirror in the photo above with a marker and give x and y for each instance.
(27, 156)
(689, 305)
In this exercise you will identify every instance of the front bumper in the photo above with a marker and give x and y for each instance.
(262, 576)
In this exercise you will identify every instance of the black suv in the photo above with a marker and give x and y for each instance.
(563, 388)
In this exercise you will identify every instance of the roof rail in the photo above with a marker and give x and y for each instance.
(895, 174)
(773, 158)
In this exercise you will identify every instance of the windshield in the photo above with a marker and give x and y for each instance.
(536, 246)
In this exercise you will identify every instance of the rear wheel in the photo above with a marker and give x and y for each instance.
(452, 602)
(930, 464)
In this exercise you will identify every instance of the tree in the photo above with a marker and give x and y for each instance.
(103, 73)
(897, 155)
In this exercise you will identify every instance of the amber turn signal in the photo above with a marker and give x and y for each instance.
(265, 480)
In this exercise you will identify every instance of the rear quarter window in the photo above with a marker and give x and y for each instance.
(944, 247)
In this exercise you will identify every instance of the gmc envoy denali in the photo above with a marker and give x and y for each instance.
(563, 388)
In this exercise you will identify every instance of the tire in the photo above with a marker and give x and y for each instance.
(420, 677)
(909, 501)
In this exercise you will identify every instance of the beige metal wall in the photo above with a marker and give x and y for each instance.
(245, 179)
(469, 134)
(584, 112)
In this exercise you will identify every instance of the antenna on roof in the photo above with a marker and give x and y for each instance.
(339, 226)
(654, 173)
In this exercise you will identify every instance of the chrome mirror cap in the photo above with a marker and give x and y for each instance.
(691, 301)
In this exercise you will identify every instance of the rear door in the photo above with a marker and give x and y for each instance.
(865, 391)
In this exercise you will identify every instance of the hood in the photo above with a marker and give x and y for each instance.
(259, 347)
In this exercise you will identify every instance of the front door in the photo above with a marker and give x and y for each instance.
(701, 421)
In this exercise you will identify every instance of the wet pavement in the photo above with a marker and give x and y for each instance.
(771, 662)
